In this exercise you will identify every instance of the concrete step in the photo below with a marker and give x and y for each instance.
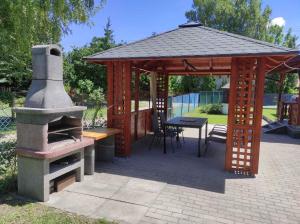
(275, 128)
(217, 138)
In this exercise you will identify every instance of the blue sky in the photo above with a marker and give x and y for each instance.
(135, 19)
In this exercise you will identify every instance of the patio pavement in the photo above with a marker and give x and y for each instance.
(150, 187)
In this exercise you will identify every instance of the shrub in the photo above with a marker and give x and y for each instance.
(8, 165)
(211, 109)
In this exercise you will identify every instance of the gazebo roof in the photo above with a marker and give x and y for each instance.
(191, 40)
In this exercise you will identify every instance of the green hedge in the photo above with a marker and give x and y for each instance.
(212, 109)
(8, 166)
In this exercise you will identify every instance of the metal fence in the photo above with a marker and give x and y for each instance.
(182, 104)
(271, 99)
(177, 106)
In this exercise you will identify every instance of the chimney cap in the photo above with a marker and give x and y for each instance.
(49, 49)
(190, 24)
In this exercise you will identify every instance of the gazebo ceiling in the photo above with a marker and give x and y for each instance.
(289, 66)
(193, 49)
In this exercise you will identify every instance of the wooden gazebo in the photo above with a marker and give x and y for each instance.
(193, 49)
(289, 110)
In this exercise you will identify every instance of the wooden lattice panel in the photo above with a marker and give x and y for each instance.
(162, 92)
(245, 114)
(119, 104)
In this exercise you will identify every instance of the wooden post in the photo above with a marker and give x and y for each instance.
(110, 93)
(245, 115)
(258, 110)
(136, 101)
(298, 118)
(279, 100)
(153, 90)
(231, 102)
(166, 94)
(119, 104)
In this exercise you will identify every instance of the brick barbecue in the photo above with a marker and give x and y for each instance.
(49, 118)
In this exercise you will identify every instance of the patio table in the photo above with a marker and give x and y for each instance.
(187, 122)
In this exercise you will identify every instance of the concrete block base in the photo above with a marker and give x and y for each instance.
(89, 160)
(34, 175)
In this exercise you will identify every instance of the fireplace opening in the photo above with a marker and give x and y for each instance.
(66, 128)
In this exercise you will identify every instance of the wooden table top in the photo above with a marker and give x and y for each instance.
(100, 133)
(188, 122)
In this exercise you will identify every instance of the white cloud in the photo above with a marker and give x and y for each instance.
(279, 21)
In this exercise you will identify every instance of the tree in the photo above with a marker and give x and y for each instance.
(244, 17)
(76, 69)
(208, 83)
(87, 83)
(24, 23)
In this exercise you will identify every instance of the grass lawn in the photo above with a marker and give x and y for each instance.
(212, 118)
(222, 119)
(16, 210)
(270, 113)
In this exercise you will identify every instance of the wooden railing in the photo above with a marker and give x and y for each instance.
(290, 111)
(140, 123)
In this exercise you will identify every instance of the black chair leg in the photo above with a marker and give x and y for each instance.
(152, 141)
(179, 143)
(173, 150)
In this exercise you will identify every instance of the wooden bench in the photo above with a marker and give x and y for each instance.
(104, 142)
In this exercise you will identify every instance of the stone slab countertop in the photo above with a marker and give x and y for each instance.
(30, 110)
(100, 133)
(55, 153)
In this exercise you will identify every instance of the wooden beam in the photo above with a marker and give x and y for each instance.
(275, 55)
(269, 78)
(259, 98)
(110, 92)
(136, 101)
(188, 65)
(206, 72)
(282, 77)
(231, 103)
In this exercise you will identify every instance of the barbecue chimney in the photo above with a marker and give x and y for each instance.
(47, 88)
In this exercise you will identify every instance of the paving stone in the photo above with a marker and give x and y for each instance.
(108, 178)
(76, 203)
(96, 189)
(145, 185)
(135, 196)
(153, 188)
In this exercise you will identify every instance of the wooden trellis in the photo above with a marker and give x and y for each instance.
(119, 104)
(245, 115)
(162, 93)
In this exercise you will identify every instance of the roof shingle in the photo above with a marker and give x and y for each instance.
(192, 41)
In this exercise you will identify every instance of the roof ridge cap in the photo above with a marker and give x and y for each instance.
(239, 36)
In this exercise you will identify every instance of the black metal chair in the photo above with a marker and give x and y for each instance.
(178, 131)
(158, 132)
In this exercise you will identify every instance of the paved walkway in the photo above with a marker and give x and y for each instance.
(150, 187)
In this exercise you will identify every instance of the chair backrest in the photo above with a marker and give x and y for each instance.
(155, 125)
(162, 119)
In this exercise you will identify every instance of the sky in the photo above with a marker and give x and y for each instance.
(136, 19)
